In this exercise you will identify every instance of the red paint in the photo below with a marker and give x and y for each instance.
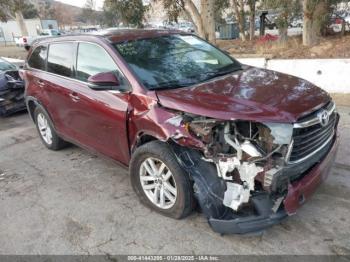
(303, 189)
(104, 78)
(251, 94)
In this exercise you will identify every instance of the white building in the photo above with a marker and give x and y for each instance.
(10, 30)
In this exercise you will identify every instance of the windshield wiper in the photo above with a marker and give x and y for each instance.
(170, 85)
(224, 70)
(204, 77)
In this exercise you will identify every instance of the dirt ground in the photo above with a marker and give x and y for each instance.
(72, 202)
(13, 52)
(328, 47)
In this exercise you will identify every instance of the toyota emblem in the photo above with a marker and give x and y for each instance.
(323, 117)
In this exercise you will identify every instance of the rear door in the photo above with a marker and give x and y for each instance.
(34, 73)
(58, 83)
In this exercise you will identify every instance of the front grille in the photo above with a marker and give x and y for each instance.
(310, 136)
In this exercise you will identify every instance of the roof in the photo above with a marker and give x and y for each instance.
(113, 35)
(119, 35)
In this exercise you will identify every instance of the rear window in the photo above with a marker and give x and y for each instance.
(38, 58)
(61, 59)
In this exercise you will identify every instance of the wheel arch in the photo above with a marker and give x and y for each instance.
(32, 103)
(144, 138)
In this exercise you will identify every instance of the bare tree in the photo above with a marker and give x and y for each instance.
(204, 19)
(317, 17)
(88, 13)
(251, 4)
(202, 15)
(131, 12)
(286, 10)
(20, 22)
(45, 9)
(313, 11)
(14, 9)
(62, 14)
(238, 7)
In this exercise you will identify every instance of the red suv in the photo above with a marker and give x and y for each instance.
(196, 128)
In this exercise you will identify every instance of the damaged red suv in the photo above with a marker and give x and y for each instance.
(196, 128)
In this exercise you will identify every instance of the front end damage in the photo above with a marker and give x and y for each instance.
(242, 178)
(11, 93)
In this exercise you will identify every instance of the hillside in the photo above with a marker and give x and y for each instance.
(65, 10)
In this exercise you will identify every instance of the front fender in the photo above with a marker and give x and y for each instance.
(154, 121)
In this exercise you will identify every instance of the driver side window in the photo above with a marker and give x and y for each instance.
(93, 59)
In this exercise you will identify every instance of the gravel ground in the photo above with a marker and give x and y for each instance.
(72, 202)
(13, 52)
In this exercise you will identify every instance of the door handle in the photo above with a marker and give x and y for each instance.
(74, 96)
(40, 83)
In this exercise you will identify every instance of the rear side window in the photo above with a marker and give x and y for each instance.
(38, 58)
(60, 59)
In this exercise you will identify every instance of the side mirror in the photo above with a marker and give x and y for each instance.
(104, 81)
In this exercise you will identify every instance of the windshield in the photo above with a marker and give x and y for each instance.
(4, 66)
(175, 61)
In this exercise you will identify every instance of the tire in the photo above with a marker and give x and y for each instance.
(55, 143)
(156, 150)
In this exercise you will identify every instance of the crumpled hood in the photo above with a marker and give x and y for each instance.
(250, 94)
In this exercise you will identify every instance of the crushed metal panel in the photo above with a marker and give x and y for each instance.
(282, 133)
(235, 195)
(248, 172)
(175, 121)
(225, 166)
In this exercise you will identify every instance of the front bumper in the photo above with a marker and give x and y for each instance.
(298, 193)
(301, 190)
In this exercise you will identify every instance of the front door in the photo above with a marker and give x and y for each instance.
(99, 117)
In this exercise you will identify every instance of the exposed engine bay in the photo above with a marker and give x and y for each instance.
(246, 154)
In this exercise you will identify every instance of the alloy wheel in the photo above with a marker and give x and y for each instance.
(44, 128)
(158, 183)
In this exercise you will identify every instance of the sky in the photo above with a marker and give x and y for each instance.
(81, 3)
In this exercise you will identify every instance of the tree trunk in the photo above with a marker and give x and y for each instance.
(192, 10)
(207, 15)
(283, 34)
(252, 19)
(309, 34)
(309, 28)
(239, 13)
(21, 24)
(343, 24)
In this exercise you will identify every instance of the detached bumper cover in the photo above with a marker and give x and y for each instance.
(241, 225)
(298, 193)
